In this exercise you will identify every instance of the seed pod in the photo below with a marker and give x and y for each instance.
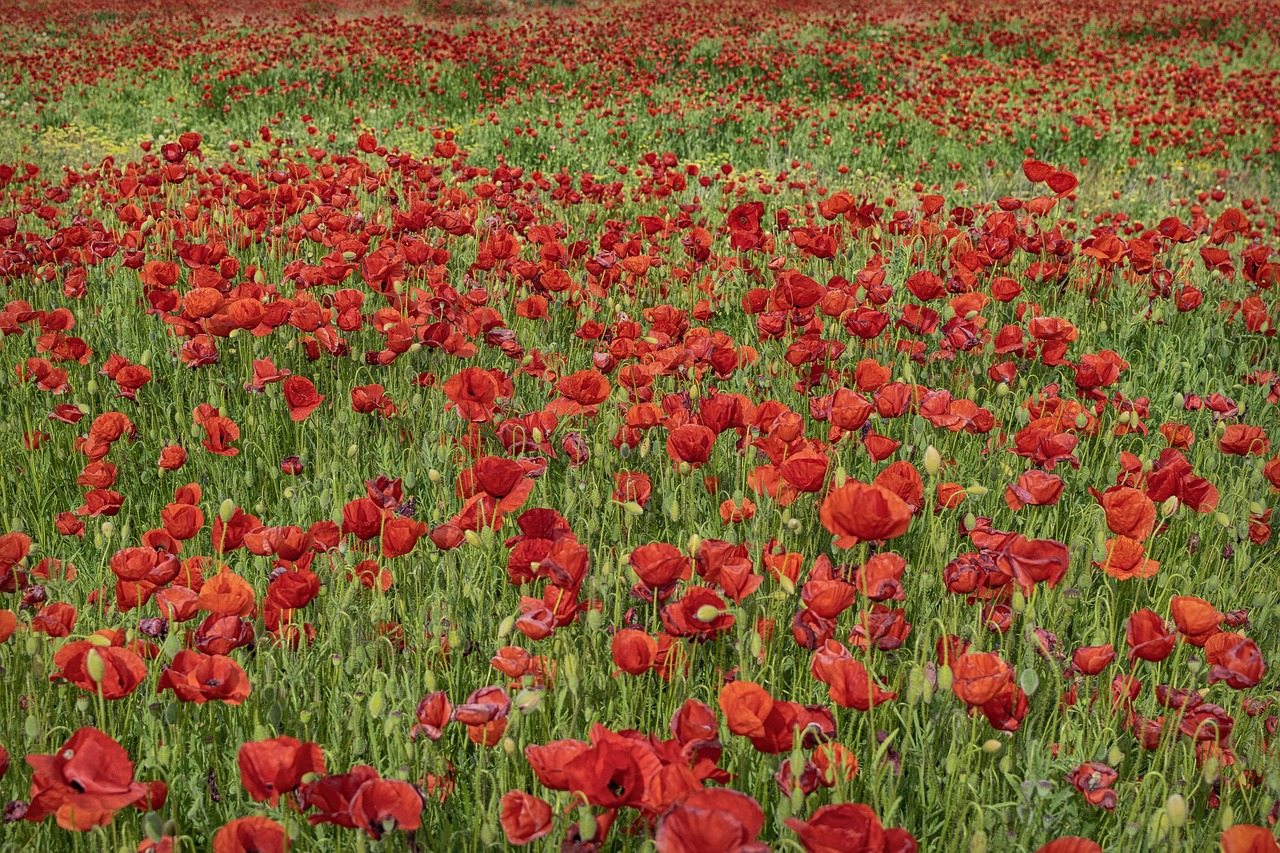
(1029, 681)
(1176, 808)
(586, 824)
(915, 685)
(932, 461)
(95, 666)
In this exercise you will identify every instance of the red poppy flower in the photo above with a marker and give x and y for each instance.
(433, 713)
(83, 783)
(1234, 659)
(199, 678)
(220, 432)
(744, 226)
(1034, 488)
(977, 678)
(56, 620)
(301, 396)
(1033, 561)
(220, 635)
(483, 706)
(1091, 660)
(1197, 619)
(858, 512)
(659, 565)
(1094, 779)
(270, 768)
(707, 819)
(746, 707)
(850, 685)
(251, 835)
(849, 828)
(384, 805)
(228, 594)
(1247, 838)
(331, 796)
(1244, 440)
(229, 536)
(524, 817)
(122, 669)
(700, 613)
(1148, 637)
(634, 652)
(632, 486)
(400, 536)
(473, 393)
(1127, 558)
(690, 445)
(1129, 512)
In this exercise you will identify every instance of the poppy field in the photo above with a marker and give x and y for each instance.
(631, 426)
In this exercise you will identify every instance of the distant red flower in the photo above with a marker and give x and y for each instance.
(1094, 779)
(251, 835)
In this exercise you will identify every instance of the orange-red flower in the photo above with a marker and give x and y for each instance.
(524, 817)
(858, 512)
(977, 677)
(1148, 637)
(1247, 838)
(251, 835)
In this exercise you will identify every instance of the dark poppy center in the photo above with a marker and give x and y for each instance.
(213, 682)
